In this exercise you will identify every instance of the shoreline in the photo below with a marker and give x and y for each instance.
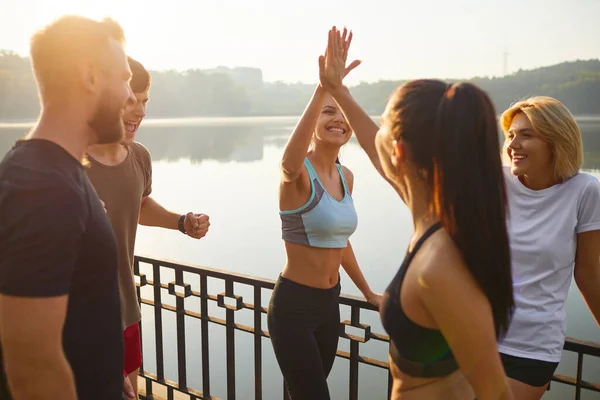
(236, 120)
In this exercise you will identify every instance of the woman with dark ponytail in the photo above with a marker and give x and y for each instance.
(451, 300)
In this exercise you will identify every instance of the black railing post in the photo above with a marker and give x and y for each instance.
(138, 290)
(257, 343)
(354, 321)
(158, 331)
(180, 316)
(204, 334)
(579, 374)
(149, 393)
(230, 339)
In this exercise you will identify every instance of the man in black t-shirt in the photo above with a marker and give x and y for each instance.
(60, 322)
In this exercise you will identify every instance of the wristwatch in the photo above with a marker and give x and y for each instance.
(181, 226)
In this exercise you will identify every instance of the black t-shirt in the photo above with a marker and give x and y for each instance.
(55, 239)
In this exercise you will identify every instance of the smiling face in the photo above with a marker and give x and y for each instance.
(332, 128)
(134, 115)
(528, 152)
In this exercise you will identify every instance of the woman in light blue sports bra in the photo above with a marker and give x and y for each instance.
(317, 219)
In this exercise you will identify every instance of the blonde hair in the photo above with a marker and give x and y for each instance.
(56, 48)
(555, 123)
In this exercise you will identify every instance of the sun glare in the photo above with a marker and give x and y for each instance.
(49, 10)
(125, 12)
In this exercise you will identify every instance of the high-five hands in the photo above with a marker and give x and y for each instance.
(332, 65)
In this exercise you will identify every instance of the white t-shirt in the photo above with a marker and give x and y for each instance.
(543, 227)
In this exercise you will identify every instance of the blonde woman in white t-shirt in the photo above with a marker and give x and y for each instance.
(554, 230)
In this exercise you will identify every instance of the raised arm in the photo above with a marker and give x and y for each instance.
(295, 151)
(363, 126)
(330, 76)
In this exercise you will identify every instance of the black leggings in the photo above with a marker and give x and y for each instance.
(304, 325)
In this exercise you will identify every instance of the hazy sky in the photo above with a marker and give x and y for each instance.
(396, 39)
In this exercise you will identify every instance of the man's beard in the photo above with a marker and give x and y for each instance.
(107, 122)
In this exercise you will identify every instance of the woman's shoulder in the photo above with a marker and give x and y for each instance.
(585, 180)
(583, 185)
(348, 176)
(441, 268)
(438, 253)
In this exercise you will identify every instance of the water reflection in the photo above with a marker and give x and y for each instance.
(219, 143)
(591, 144)
(244, 141)
(257, 143)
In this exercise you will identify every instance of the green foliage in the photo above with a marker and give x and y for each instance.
(242, 91)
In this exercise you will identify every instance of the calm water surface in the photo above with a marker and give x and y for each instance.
(228, 169)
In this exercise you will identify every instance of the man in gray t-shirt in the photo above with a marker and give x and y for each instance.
(122, 175)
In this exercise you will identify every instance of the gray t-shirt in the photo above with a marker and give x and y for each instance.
(122, 187)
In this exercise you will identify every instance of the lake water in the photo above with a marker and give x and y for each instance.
(228, 169)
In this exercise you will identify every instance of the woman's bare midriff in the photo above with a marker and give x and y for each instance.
(312, 266)
(452, 387)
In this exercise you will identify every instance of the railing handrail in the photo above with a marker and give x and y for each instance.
(578, 346)
(588, 347)
(571, 344)
(212, 272)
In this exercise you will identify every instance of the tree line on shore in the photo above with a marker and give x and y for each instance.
(242, 91)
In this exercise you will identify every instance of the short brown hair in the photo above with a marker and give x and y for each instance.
(56, 48)
(140, 77)
(554, 122)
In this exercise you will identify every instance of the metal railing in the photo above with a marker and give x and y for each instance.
(180, 290)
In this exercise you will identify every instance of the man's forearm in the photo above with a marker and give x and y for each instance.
(34, 379)
(153, 214)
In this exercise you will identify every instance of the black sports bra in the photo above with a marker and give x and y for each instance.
(417, 351)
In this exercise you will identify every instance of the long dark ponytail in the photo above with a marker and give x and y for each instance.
(452, 136)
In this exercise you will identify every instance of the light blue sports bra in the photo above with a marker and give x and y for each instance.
(322, 221)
